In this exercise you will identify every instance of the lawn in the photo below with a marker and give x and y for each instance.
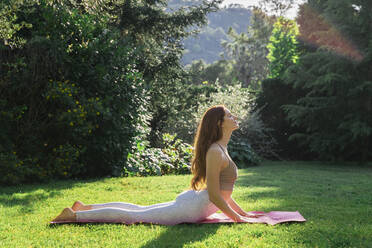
(336, 200)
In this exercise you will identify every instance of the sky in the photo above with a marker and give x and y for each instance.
(291, 13)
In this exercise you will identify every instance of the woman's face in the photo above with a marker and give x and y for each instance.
(230, 121)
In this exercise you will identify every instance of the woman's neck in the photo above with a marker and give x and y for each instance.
(225, 138)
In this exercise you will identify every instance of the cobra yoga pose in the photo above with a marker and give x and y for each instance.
(214, 175)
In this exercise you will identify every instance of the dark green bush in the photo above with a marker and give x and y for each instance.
(274, 94)
(334, 118)
(72, 100)
(173, 158)
(243, 154)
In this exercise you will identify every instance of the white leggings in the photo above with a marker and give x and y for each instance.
(190, 206)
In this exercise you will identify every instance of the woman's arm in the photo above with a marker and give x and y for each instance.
(236, 207)
(214, 164)
(240, 211)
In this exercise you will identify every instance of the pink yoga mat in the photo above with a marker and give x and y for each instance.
(271, 218)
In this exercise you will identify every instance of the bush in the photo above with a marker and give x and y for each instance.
(243, 154)
(173, 158)
(275, 93)
(251, 131)
(334, 118)
(182, 121)
(72, 100)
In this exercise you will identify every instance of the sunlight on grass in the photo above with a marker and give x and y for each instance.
(335, 200)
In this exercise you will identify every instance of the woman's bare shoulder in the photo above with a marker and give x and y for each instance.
(216, 155)
(214, 149)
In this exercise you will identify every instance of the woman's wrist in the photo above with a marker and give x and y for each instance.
(243, 213)
(238, 217)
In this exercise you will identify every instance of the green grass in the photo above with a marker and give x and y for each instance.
(336, 200)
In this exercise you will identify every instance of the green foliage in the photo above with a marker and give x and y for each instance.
(243, 154)
(159, 34)
(146, 161)
(245, 56)
(341, 26)
(251, 129)
(179, 152)
(277, 8)
(334, 116)
(201, 73)
(283, 50)
(248, 50)
(207, 44)
(183, 121)
(334, 113)
(72, 100)
(325, 94)
(273, 95)
(173, 158)
(234, 97)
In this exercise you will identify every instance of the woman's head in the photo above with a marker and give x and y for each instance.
(210, 126)
(229, 123)
(210, 130)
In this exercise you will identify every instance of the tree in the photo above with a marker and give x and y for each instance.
(248, 51)
(159, 34)
(276, 7)
(207, 44)
(72, 100)
(283, 50)
(336, 34)
(334, 115)
(201, 73)
(275, 92)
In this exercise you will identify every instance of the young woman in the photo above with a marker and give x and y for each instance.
(214, 175)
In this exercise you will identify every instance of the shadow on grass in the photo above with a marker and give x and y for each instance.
(173, 236)
(177, 236)
(28, 195)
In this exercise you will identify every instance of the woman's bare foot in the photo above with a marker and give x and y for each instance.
(67, 215)
(79, 206)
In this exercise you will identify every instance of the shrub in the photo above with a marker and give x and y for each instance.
(173, 158)
(275, 93)
(72, 100)
(243, 154)
(179, 152)
(182, 121)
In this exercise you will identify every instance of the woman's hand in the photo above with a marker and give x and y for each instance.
(242, 219)
(251, 215)
(246, 217)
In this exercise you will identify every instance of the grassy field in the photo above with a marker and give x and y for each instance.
(336, 200)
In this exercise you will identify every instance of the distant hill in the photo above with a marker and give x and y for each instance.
(207, 45)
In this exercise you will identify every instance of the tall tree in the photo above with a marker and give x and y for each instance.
(275, 92)
(248, 51)
(335, 115)
(283, 50)
(78, 66)
(342, 33)
(72, 100)
(159, 34)
(276, 7)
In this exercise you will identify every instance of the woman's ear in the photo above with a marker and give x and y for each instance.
(219, 123)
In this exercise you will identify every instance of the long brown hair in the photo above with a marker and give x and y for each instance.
(209, 131)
